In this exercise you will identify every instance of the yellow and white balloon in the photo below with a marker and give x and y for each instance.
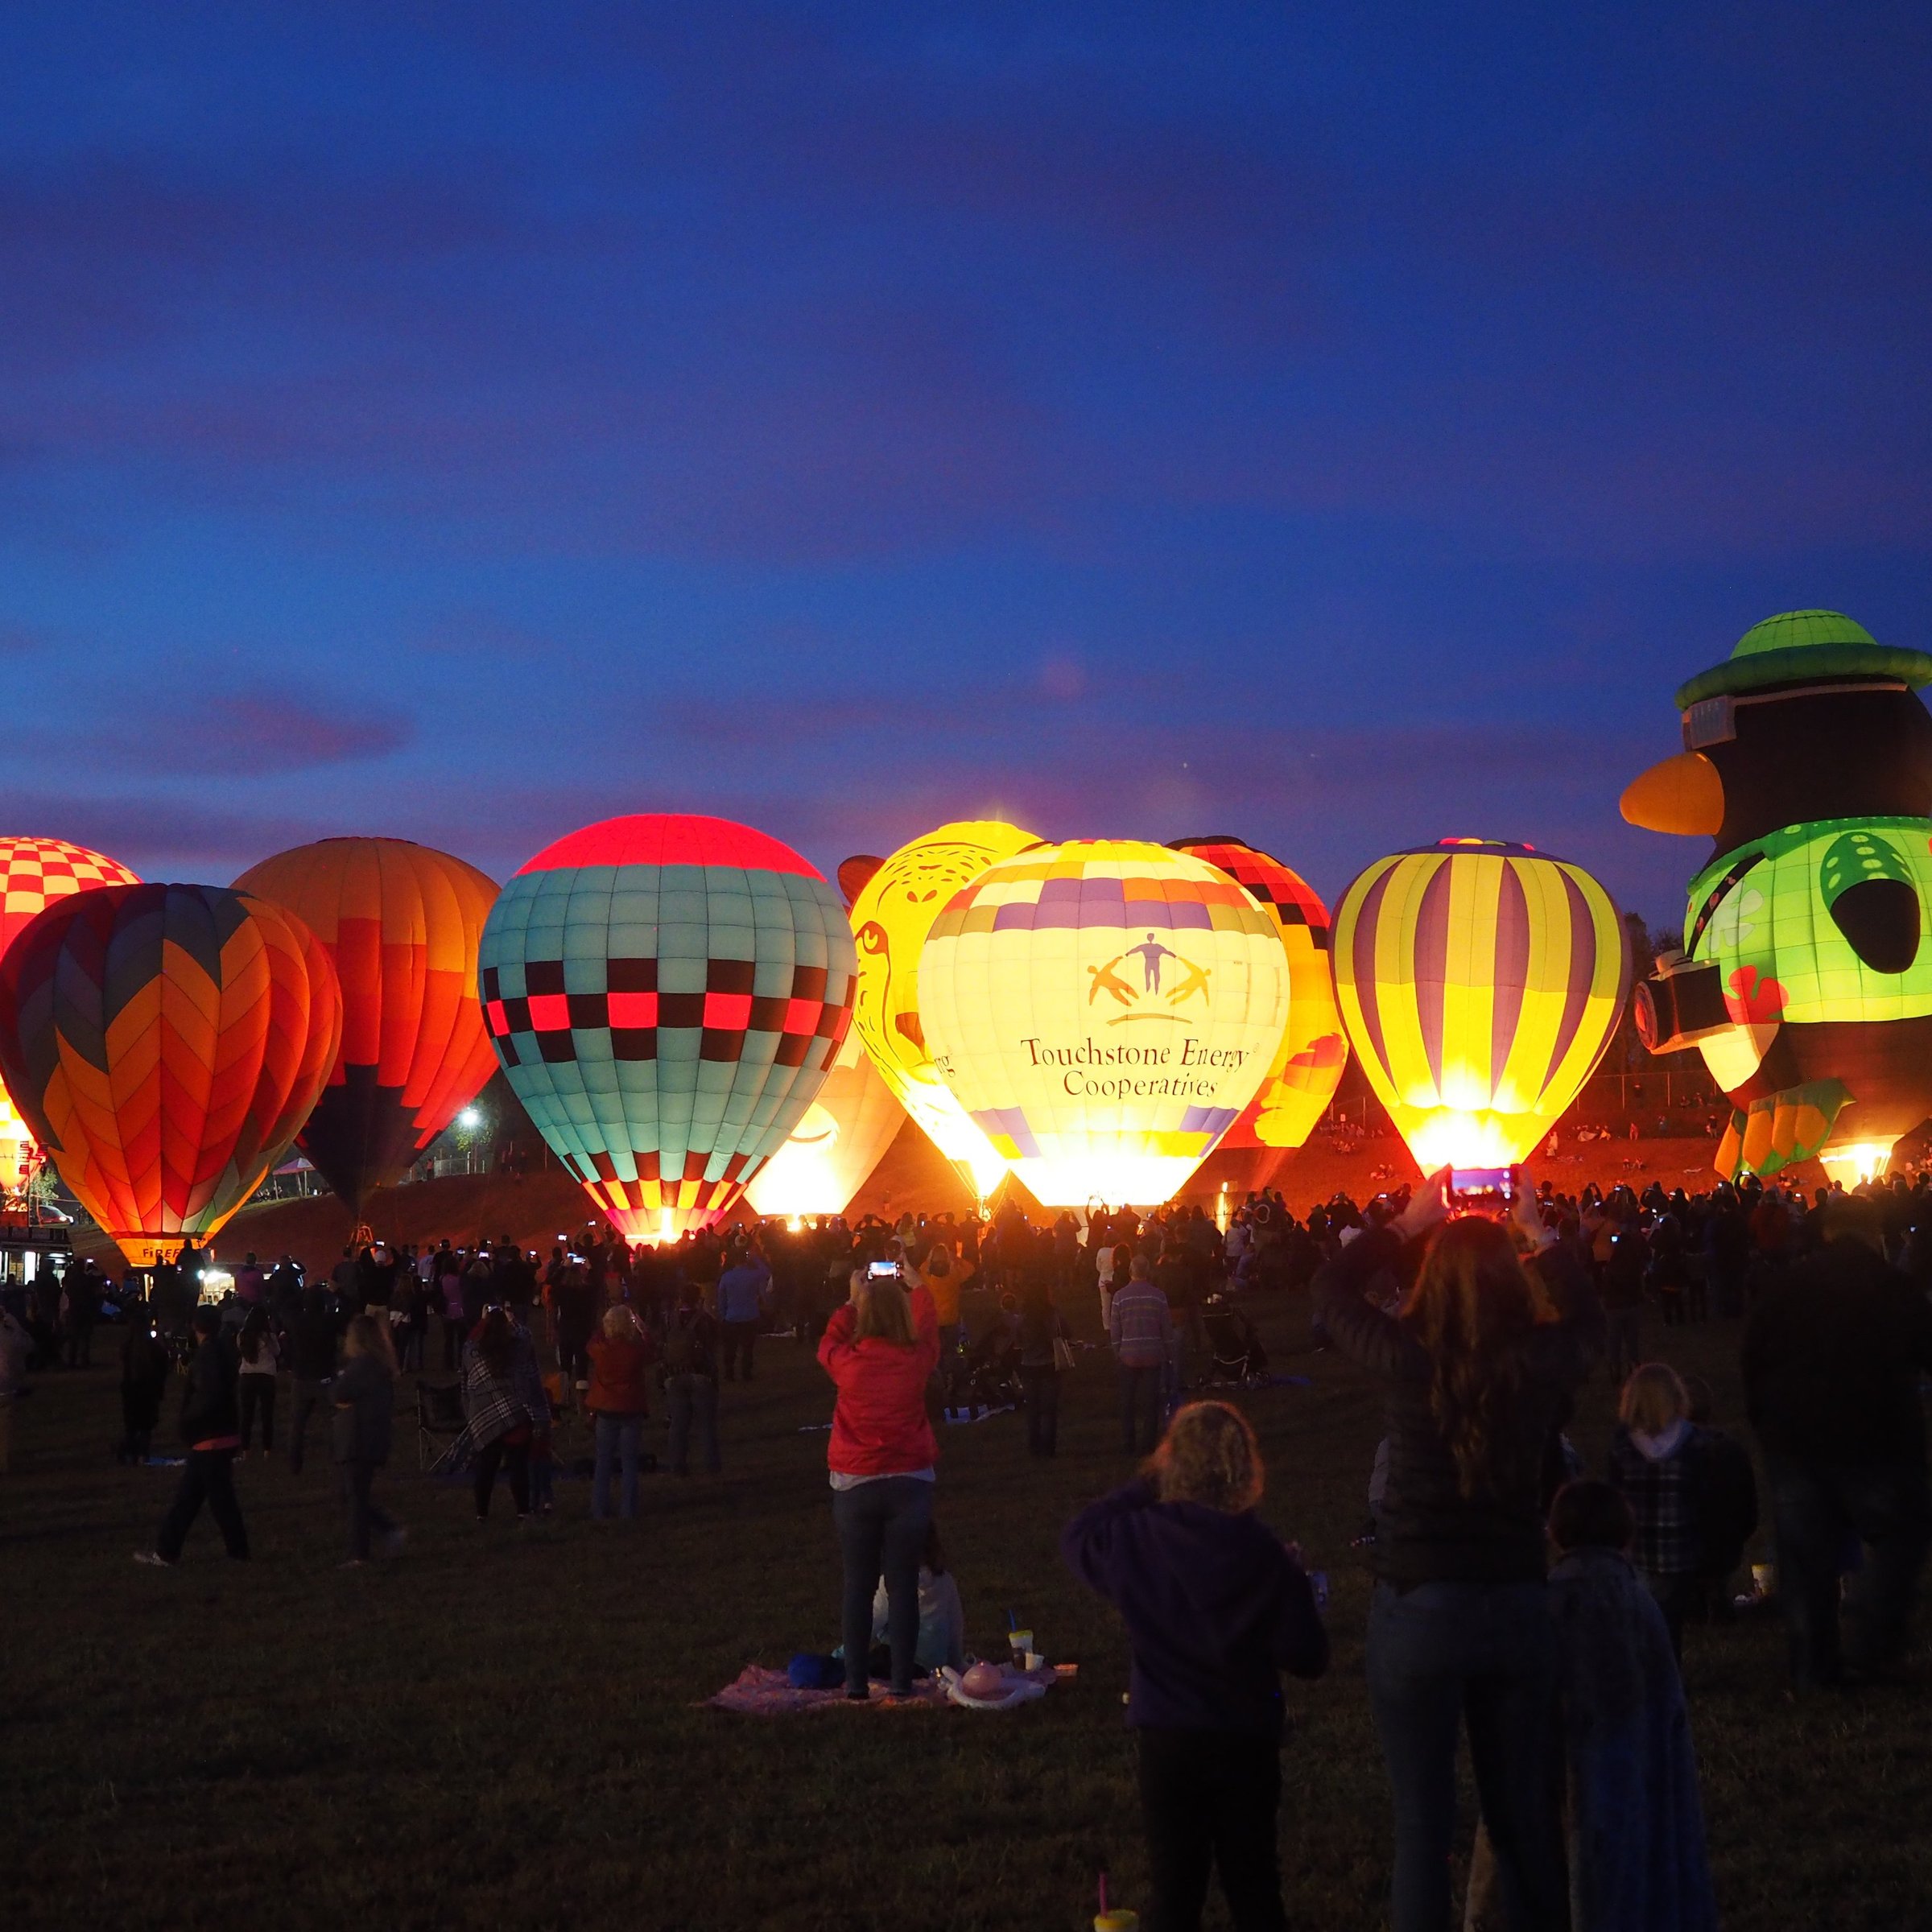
(891, 917)
(1102, 1010)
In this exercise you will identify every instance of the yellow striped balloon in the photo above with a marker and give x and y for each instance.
(1479, 982)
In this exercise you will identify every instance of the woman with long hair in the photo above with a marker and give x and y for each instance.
(364, 1399)
(1216, 1607)
(261, 1358)
(144, 1371)
(1043, 1335)
(1496, 1328)
(880, 1349)
(501, 1424)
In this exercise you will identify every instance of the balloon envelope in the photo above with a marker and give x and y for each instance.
(33, 873)
(833, 1149)
(1479, 982)
(666, 993)
(164, 1042)
(892, 915)
(401, 923)
(1836, 1052)
(1104, 1009)
(1307, 1066)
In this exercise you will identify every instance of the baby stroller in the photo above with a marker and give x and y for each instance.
(1236, 1351)
(990, 1377)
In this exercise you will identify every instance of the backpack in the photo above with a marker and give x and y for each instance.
(684, 1352)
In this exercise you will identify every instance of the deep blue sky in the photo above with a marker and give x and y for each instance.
(1336, 427)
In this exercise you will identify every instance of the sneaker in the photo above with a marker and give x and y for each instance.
(154, 1559)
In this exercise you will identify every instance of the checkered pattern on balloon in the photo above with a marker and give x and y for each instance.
(34, 873)
(666, 1010)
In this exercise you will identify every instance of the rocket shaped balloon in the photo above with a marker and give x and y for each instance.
(1806, 976)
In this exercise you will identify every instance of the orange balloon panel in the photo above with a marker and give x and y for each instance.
(401, 923)
(164, 1042)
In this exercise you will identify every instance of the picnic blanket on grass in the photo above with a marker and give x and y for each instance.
(758, 1691)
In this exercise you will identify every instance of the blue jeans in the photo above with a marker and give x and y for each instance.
(881, 1526)
(1441, 1655)
(617, 1436)
(1815, 1507)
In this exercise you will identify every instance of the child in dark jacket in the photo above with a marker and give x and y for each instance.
(1634, 1824)
(1216, 1608)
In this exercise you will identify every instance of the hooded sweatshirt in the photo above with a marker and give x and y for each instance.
(1216, 1608)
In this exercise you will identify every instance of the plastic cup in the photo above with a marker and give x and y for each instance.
(1120, 1919)
(1022, 1642)
(1763, 1578)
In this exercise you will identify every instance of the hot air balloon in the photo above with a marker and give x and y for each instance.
(1307, 1066)
(666, 994)
(1103, 1009)
(34, 872)
(1479, 982)
(895, 903)
(164, 1042)
(401, 924)
(1806, 981)
(833, 1149)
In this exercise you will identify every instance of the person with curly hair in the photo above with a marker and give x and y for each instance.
(1497, 1326)
(1216, 1607)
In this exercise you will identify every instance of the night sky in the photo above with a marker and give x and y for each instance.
(1339, 427)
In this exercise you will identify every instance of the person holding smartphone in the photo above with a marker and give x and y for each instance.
(1496, 1327)
(879, 1350)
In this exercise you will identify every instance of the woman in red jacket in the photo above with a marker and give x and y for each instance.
(620, 1356)
(880, 1349)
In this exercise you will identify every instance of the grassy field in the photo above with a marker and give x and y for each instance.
(503, 1728)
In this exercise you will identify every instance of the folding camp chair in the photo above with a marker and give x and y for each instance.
(438, 1414)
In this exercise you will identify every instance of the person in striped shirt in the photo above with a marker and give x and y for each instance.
(1141, 1330)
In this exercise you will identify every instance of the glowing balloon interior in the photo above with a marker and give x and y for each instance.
(1479, 982)
(164, 1042)
(833, 1149)
(666, 994)
(1104, 1009)
(891, 917)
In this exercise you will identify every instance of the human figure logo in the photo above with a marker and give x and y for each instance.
(1148, 1001)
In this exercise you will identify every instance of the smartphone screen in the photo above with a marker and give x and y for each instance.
(1480, 1185)
(884, 1271)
